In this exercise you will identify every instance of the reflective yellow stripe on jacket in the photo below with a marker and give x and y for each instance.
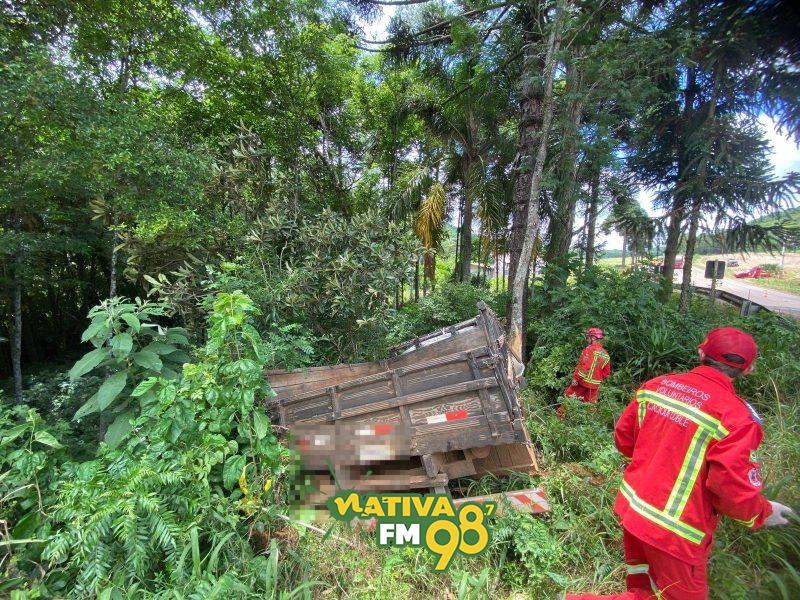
(587, 376)
(708, 429)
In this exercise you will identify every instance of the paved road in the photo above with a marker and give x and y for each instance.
(782, 302)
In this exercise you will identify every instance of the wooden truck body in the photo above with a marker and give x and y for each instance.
(443, 406)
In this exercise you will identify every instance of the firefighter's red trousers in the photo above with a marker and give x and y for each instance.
(651, 570)
(582, 392)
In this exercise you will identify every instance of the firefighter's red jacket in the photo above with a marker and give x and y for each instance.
(593, 366)
(691, 442)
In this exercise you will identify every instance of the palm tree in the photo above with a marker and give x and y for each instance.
(468, 124)
(629, 220)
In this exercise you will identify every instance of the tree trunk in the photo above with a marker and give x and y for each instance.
(699, 191)
(671, 245)
(430, 268)
(505, 279)
(516, 324)
(530, 125)
(624, 248)
(112, 279)
(497, 268)
(591, 216)
(694, 220)
(679, 201)
(16, 337)
(416, 281)
(565, 196)
(466, 224)
(459, 227)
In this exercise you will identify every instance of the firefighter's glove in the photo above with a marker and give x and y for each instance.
(779, 515)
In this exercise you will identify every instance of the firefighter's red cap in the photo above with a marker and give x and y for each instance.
(730, 346)
(595, 332)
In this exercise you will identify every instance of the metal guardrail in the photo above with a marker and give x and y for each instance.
(746, 305)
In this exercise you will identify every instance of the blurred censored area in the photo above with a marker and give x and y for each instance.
(321, 445)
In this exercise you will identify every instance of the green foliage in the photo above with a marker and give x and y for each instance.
(203, 462)
(327, 277)
(450, 303)
(130, 348)
(33, 457)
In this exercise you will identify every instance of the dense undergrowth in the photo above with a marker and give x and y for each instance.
(185, 495)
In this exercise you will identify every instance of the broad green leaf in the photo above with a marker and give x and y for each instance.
(119, 429)
(46, 438)
(89, 407)
(144, 387)
(110, 389)
(10, 435)
(97, 328)
(167, 373)
(160, 348)
(177, 338)
(27, 525)
(261, 424)
(122, 343)
(175, 431)
(179, 356)
(132, 321)
(89, 361)
(232, 469)
(147, 359)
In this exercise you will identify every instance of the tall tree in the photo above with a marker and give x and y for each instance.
(732, 64)
(516, 329)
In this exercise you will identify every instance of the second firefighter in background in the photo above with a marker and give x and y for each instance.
(593, 367)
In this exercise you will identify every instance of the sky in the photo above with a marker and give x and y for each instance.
(785, 153)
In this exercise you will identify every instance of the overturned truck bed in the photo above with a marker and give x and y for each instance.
(443, 406)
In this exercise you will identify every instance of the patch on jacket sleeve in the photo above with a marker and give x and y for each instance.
(753, 413)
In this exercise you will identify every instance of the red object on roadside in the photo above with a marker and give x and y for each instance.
(754, 273)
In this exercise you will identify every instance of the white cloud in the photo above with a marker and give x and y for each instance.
(785, 153)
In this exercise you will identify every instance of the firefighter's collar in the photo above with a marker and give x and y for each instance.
(717, 377)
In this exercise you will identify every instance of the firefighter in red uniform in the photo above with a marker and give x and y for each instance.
(691, 443)
(593, 366)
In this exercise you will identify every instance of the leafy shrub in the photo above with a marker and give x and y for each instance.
(32, 458)
(129, 348)
(771, 268)
(334, 276)
(450, 303)
(200, 470)
(54, 393)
